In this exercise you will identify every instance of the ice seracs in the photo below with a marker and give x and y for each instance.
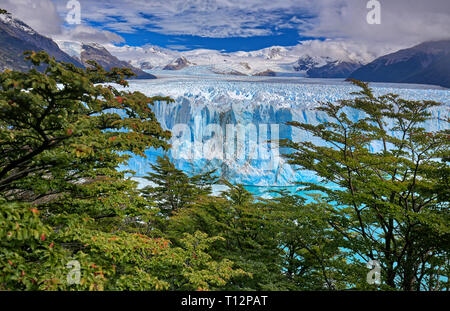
(262, 109)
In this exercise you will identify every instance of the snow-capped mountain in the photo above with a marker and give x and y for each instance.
(96, 52)
(308, 62)
(334, 69)
(17, 37)
(426, 63)
(143, 56)
(179, 63)
(276, 59)
(336, 59)
(326, 67)
(16, 24)
(276, 53)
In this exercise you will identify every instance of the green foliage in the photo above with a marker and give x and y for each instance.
(33, 257)
(247, 239)
(391, 204)
(312, 259)
(193, 268)
(60, 118)
(173, 189)
(65, 131)
(25, 251)
(62, 137)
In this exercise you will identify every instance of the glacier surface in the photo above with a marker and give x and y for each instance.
(226, 123)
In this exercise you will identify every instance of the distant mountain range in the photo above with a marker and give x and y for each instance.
(264, 62)
(426, 63)
(334, 69)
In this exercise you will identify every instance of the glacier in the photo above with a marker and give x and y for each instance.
(227, 123)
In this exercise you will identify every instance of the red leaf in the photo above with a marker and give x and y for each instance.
(34, 211)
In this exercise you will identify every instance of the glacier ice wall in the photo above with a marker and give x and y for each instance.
(226, 124)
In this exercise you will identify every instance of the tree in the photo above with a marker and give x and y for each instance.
(173, 189)
(193, 268)
(387, 181)
(63, 134)
(45, 117)
(247, 237)
(311, 254)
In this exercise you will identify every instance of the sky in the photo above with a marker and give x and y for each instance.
(237, 25)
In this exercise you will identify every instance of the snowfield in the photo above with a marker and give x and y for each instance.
(226, 122)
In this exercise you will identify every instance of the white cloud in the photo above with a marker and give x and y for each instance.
(403, 22)
(89, 34)
(342, 49)
(41, 15)
(207, 18)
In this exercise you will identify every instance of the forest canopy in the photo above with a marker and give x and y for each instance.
(64, 131)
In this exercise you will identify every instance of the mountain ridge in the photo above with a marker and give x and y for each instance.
(98, 53)
(17, 37)
(276, 58)
(425, 63)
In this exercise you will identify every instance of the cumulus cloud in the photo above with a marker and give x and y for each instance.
(48, 19)
(206, 18)
(89, 34)
(403, 22)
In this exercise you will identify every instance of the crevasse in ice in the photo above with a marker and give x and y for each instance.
(209, 115)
